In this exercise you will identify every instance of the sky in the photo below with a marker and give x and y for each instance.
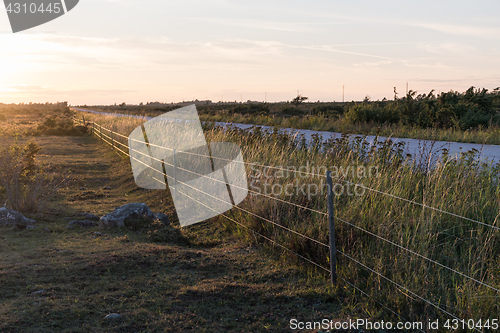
(132, 51)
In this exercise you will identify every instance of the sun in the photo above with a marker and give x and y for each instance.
(18, 62)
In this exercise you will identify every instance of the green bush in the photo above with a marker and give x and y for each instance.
(292, 110)
(253, 109)
(334, 111)
(372, 112)
(467, 110)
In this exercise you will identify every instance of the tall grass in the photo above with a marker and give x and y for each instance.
(123, 125)
(465, 186)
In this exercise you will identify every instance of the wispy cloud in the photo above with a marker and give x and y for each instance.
(267, 25)
(447, 48)
(492, 32)
(48, 91)
(460, 79)
(373, 63)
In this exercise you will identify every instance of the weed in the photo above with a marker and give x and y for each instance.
(26, 186)
(123, 239)
(160, 233)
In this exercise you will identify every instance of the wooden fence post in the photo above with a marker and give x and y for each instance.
(331, 222)
(100, 132)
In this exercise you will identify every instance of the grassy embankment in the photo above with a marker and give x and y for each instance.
(321, 123)
(466, 187)
(481, 135)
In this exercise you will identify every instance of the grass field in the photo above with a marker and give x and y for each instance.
(206, 279)
(466, 187)
(276, 286)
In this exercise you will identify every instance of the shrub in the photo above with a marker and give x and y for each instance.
(25, 185)
(328, 110)
(2, 117)
(54, 125)
(471, 109)
(254, 109)
(292, 110)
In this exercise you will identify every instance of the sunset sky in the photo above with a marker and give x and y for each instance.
(113, 51)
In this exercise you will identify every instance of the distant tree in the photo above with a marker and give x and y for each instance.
(299, 99)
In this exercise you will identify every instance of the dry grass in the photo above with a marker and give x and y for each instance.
(466, 187)
(215, 282)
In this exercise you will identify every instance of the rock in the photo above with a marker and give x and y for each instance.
(130, 212)
(90, 217)
(15, 228)
(82, 223)
(37, 292)
(47, 230)
(107, 188)
(113, 316)
(11, 217)
(162, 218)
(68, 218)
(30, 227)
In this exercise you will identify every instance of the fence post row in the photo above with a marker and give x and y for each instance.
(331, 222)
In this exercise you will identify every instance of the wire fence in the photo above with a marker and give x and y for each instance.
(110, 139)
